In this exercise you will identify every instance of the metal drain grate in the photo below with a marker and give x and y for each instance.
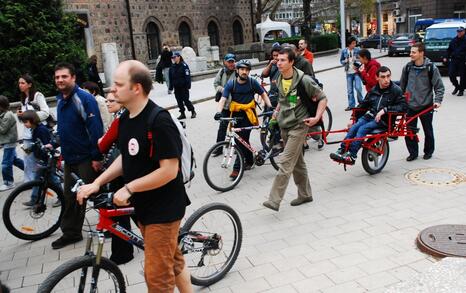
(435, 177)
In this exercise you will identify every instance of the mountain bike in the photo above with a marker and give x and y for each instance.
(217, 169)
(210, 241)
(44, 216)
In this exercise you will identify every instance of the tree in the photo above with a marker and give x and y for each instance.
(35, 35)
(266, 6)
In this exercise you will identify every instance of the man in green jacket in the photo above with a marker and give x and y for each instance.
(294, 116)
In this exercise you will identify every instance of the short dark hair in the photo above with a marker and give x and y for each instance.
(64, 65)
(138, 75)
(365, 53)
(31, 116)
(350, 40)
(4, 103)
(92, 87)
(420, 46)
(383, 69)
(289, 52)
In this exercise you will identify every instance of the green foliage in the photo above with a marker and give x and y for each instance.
(35, 35)
(318, 42)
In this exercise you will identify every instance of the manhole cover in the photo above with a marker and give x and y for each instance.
(435, 177)
(443, 240)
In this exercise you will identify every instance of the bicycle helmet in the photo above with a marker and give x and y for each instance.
(243, 64)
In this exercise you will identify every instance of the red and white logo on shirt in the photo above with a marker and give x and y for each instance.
(133, 147)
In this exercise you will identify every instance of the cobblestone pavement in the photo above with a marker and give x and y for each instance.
(357, 236)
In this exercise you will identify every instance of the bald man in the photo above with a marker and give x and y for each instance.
(153, 180)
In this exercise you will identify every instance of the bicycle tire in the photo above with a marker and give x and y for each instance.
(81, 262)
(330, 119)
(205, 167)
(368, 156)
(191, 221)
(7, 217)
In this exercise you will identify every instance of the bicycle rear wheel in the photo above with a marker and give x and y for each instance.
(327, 119)
(373, 162)
(78, 272)
(218, 166)
(39, 221)
(211, 240)
(270, 140)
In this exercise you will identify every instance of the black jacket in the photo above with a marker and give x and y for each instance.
(392, 100)
(180, 76)
(457, 49)
(166, 59)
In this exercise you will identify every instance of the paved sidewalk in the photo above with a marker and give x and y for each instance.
(357, 236)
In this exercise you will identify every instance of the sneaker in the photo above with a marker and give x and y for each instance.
(300, 200)
(56, 204)
(320, 144)
(247, 167)
(5, 187)
(234, 174)
(182, 116)
(411, 158)
(305, 146)
(460, 93)
(455, 91)
(348, 109)
(271, 205)
(337, 156)
(427, 156)
(29, 203)
(63, 241)
(193, 115)
(349, 159)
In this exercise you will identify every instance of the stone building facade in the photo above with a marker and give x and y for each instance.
(154, 22)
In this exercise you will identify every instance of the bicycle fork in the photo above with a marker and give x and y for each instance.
(95, 262)
(228, 156)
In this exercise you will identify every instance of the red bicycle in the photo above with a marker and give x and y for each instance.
(210, 241)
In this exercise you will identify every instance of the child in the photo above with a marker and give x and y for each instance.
(8, 138)
(42, 134)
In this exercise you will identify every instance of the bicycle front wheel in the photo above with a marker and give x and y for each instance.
(218, 168)
(76, 276)
(33, 222)
(327, 119)
(211, 241)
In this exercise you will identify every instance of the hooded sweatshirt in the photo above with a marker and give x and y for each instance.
(292, 110)
(419, 87)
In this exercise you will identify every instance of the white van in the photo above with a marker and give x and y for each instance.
(437, 39)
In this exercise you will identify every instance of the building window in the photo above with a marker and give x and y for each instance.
(153, 40)
(237, 33)
(184, 32)
(212, 30)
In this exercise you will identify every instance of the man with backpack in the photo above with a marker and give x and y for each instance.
(224, 75)
(150, 163)
(301, 104)
(79, 128)
(243, 105)
(419, 79)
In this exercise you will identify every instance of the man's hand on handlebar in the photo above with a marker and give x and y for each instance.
(121, 197)
(85, 191)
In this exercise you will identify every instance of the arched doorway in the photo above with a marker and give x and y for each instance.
(212, 30)
(153, 40)
(237, 33)
(184, 32)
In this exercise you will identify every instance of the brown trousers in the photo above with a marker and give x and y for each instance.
(163, 260)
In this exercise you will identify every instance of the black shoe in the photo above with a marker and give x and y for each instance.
(217, 152)
(29, 203)
(121, 260)
(349, 159)
(336, 157)
(320, 144)
(62, 242)
(411, 158)
(460, 93)
(306, 147)
(193, 115)
(247, 167)
(427, 156)
(455, 91)
(182, 116)
(348, 109)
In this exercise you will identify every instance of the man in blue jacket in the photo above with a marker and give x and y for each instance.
(457, 56)
(180, 80)
(79, 128)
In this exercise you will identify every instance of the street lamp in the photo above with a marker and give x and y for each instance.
(342, 24)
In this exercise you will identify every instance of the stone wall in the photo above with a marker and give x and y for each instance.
(109, 22)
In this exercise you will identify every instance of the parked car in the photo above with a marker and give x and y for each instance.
(437, 39)
(373, 41)
(401, 44)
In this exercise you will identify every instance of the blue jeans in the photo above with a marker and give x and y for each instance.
(363, 127)
(9, 160)
(54, 180)
(353, 82)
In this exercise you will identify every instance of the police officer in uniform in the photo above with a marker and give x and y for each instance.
(180, 80)
(456, 53)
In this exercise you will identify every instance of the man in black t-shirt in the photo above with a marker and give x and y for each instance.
(153, 179)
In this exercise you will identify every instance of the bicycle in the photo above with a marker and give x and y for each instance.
(217, 169)
(210, 252)
(44, 217)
